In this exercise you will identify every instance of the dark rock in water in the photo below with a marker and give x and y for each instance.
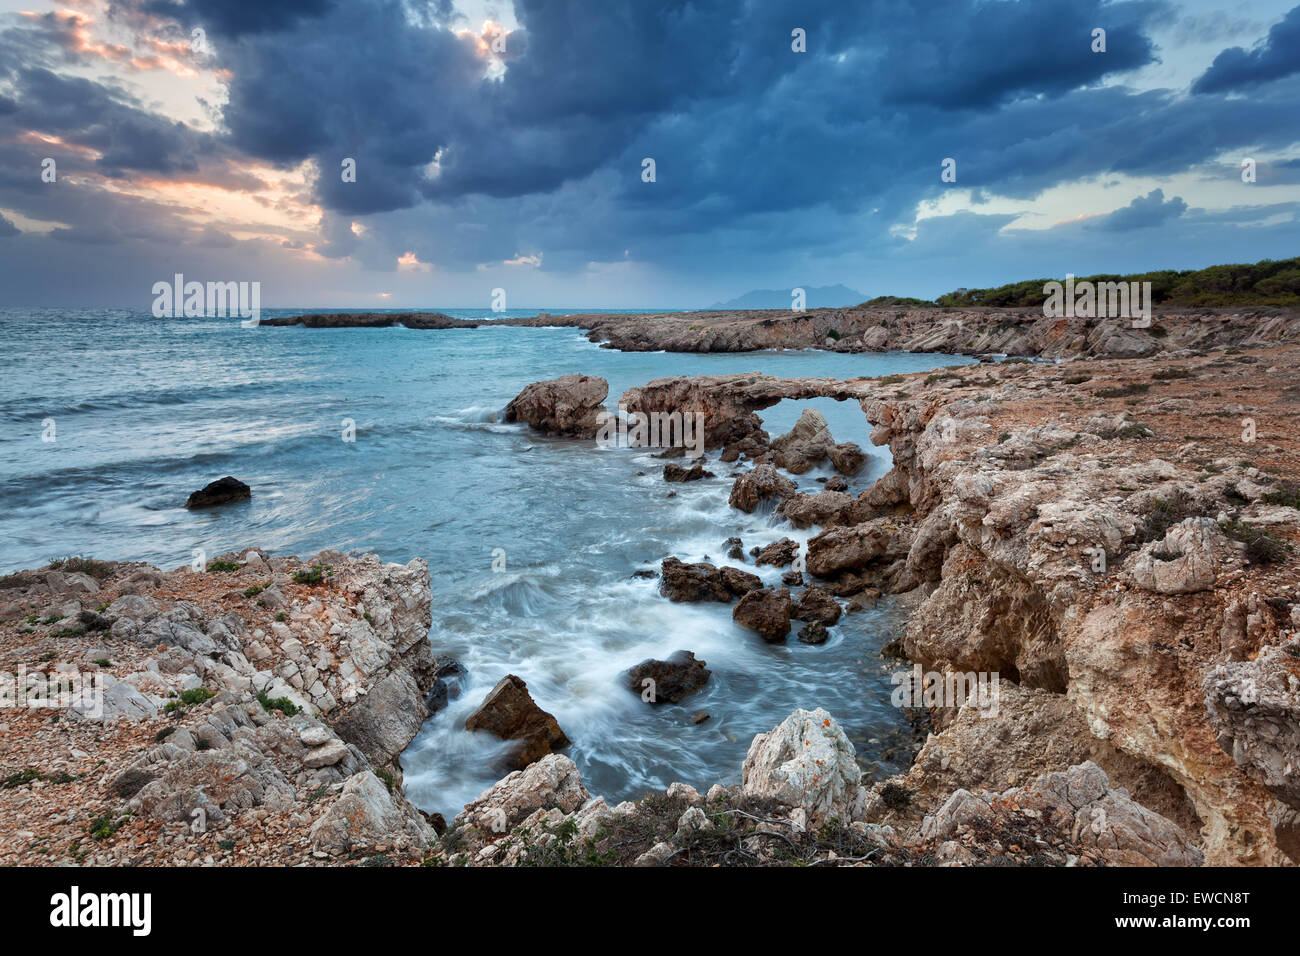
(762, 484)
(435, 820)
(836, 484)
(778, 553)
(766, 611)
(644, 573)
(700, 718)
(678, 473)
(219, 492)
(813, 633)
(704, 582)
(448, 674)
(510, 713)
(816, 604)
(569, 405)
(735, 549)
(847, 458)
(675, 678)
(792, 579)
(674, 451)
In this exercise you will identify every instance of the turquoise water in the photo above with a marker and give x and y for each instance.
(146, 410)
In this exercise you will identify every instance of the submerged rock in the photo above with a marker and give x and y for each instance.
(673, 679)
(678, 473)
(509, 712)
(219, 492)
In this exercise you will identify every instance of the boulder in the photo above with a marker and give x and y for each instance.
(219, 492)
(847, 458)
(678, 473)
(846, 549)
(778, 553)
(816, 604)
(675, 678)
(806, 762)
(366, 815)
(766, 611)
(570, 406)
(551, 783)
(813, 633)
(762, 483)
(825, 509)
(704, 582)
(806, 445)
(385, 720)
(510, 713)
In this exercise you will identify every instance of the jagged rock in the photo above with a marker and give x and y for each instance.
(766, 611)
(219, 492)
(1081, 802)
(385, 720)
(678, 473)
(836, 484)
(673, 679)
(1254, 707)
(510, 713)
(805, 445)
(704, 582)
(816, 604)
(1184, 562)
(365, 815)
(806, 762)
(552, 782)
(847, 458)
(846, 549)
(778, 553)
(735, 549)
(813, 633)
(568, 406)
(762, 483)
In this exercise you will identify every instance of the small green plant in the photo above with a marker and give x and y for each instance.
(103, 827)
(223, 567)
(1262, 546)
(195, 695)
(78, 565)
(313, 575)
(283, 704)
(1286, 493)
(387, 777)
(22, 778)
(253, 591)
(103, 662)
(281, 616)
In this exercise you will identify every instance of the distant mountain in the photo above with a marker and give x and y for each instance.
(815, 297)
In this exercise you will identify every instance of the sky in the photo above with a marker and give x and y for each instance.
(505, 146)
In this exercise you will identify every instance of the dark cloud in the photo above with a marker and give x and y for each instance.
(1236, 68)
(1142, 213)
(236, 18)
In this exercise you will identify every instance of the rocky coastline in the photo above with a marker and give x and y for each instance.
(1114, 539)
(952, 330)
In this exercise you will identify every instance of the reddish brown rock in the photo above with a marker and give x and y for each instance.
(816, 604)
(673, 679)
(569, 406)
(763, 483)
(778, 553)
(681, 582)
(509, 712)
(766, 611)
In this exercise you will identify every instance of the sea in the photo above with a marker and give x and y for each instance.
(112, 417)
